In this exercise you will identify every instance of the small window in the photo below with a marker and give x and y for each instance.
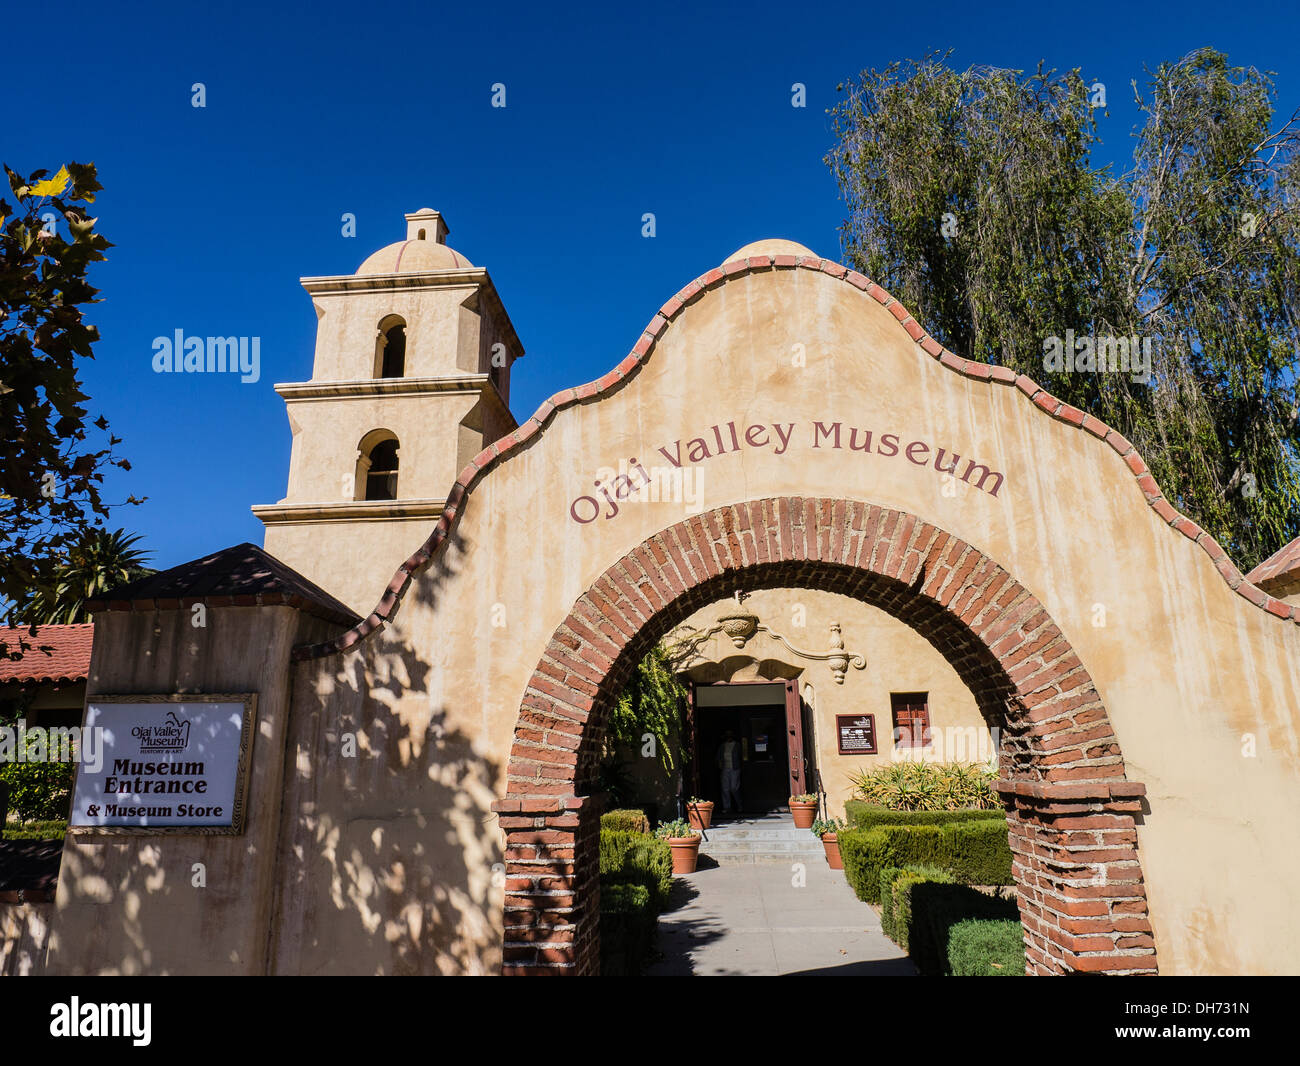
(381, 478)
(911, 711)
(394, 361)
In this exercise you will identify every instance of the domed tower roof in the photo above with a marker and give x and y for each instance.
(770, 246)
(424, 249)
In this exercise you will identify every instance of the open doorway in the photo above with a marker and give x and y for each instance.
(757, 716)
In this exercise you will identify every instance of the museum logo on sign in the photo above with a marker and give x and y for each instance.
(172, 734)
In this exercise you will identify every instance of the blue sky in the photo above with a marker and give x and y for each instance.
(318, 109)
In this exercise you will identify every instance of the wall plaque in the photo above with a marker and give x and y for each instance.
(170, 764)
(856, 733)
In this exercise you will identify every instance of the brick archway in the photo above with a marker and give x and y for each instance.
(1070, 808)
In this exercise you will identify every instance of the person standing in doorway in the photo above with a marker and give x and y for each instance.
(729, 758)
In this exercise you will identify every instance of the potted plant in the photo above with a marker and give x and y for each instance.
(685, 843)
(829, 829)
(804, 809)
(700, 812)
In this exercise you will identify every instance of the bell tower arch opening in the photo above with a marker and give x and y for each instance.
(390, 348)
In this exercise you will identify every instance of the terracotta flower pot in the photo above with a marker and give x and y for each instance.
(831, 843)
(686, 853)
(700, 814)
(804, 813)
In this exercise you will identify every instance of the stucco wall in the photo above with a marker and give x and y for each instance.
(348, 559)
(24, 936)
(128, 904)
(1186, 666)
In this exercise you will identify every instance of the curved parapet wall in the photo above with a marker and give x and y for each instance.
(644, 349)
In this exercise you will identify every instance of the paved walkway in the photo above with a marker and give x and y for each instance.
(750, 919)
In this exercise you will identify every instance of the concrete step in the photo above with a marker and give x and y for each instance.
(758, 855)
(759, 835)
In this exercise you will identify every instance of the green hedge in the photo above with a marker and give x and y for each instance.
(627, 929)
(974, 852)
(987, 948)
(937, 909)
(53, 829)
(639, 859)
(895, 897)
(630, 821)
(862, 815)
(636, 875)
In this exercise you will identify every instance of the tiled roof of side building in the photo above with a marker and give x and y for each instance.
(48, 654)
(242, 576)
(1280, 568)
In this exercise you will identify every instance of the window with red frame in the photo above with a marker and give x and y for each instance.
(911, 719)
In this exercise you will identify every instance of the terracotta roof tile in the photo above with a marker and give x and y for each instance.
(53, 653)
(1281, 568)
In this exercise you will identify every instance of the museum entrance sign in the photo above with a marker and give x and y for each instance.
(168, 763)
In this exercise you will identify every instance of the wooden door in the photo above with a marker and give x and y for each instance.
(692, 740)
(794, 739)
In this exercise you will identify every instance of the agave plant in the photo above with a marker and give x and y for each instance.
(922, 786)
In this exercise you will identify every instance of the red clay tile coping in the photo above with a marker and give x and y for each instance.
(644, 347)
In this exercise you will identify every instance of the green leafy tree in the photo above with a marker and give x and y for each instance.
(40, 788)
(972, 198)
(50, 469)
(650, 703)
(98, 561)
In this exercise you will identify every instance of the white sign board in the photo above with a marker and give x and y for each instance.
(169, 763)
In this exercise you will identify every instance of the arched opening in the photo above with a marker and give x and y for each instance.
(377, 460)
(1070, 809)
(390, 348)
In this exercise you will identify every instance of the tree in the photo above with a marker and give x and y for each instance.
(50, 471)
(972, 198)
(96, 562)
(649, 706)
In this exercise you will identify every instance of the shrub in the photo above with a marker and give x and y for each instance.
(901, 893)
(938, 908)
(894, 903)
(866, 852)
(53, 829)
(863, 815)
(973, 852)
(978, 852)
(630, 821)
(637, 858)
(888, 876)
(627, 928)
(927, 786)
(39, 789)
(986, 948)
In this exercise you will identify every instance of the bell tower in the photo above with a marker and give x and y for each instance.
(411, 380)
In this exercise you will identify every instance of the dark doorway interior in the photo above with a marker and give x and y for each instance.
(757, 716)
